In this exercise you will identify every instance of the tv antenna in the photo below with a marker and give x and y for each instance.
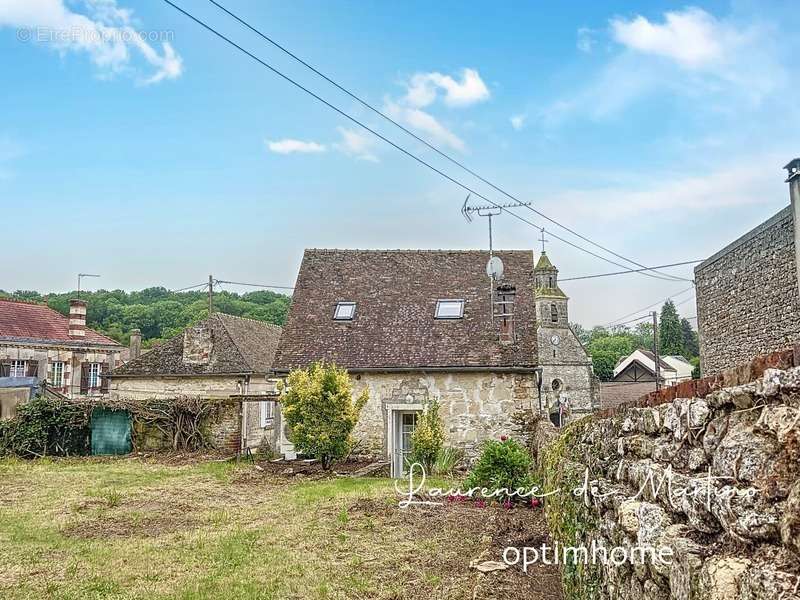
(81, 276)
(488, 210)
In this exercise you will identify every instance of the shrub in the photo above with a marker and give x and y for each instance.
(448, 461)
(428, 437)
(320, 412)
(502, 464)
(46, 427)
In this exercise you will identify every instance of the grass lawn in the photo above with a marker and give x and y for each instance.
(125, 528)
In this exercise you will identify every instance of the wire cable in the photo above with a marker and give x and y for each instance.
(441, 153)
(681, 293)
(387, 140)
(679, 264)
(260, 285)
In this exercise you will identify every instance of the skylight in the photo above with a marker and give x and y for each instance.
(345, 311)
(449, 309)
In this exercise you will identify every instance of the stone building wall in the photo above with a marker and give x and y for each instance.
(716, 480)
(747, 296)
(220, 386)
(473, 406)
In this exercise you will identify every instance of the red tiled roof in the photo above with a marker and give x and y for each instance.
(27, 321)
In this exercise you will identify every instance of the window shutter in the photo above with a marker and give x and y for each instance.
(104, 378)
(31, 368)
(84, 378)
(5, 369)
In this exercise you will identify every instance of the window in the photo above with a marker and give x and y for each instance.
(17, 368)
(550, 281)
(94, 375)
(345, 311)
(449, 309)
(554, 313)
(57, 377)
(267, 412)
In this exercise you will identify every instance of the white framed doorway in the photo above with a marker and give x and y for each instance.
(402, 420)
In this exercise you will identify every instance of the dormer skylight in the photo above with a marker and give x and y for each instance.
(449, 309)
(345, 311)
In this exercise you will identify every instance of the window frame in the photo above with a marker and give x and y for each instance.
(554, 313)
(266, 412)
(14, 368)
(344, 304)
(443, 301)
(57, 367)
(95, 379)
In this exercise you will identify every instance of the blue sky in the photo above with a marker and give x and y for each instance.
(155, 154)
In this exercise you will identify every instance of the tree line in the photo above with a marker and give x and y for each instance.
(158, 312)
(607, 345)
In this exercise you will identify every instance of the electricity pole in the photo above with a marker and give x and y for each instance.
(655, 350)
(210, 294)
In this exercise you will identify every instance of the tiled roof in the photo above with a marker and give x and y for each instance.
(239, 345)
(395, 292)
(30, 322)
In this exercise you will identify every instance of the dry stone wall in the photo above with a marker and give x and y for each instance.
(716, 480)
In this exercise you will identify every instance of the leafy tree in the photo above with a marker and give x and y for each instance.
(580, 332)
(428, 438)
(670, 335)
(691, 344)
(604, 362)
(320, 412)
(503, 465)
(159, 313)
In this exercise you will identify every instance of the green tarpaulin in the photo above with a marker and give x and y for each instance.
(111, 431)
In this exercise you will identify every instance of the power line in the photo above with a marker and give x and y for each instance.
(190, 287)
(679, 264)
(388, 141)
(259, 285)
(681, 293)
(441, 153)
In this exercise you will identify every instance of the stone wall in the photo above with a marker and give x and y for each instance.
(728, 506)
(474, 406)
(747, 296)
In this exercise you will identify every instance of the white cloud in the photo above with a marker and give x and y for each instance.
(106, 33)
(425, 123)
(585, 41)
(423, 89)
(693, 37)
(289, 146)
(518, 121)
(356, 144)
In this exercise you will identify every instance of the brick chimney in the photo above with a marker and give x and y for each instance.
(77, 319)
(793, 179)
(136, 343)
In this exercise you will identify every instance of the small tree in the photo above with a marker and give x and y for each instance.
(320, 411)
(670, 335)
(428, 437)
(503, 464)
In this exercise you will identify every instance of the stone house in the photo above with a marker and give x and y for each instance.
(417, 325)
(748, 299)
(41, 343)
(224, 357)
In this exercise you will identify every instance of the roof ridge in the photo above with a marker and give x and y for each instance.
(22, 301)
(418, 250)
(258, 321)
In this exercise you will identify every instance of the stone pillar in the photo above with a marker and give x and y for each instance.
(793, 179)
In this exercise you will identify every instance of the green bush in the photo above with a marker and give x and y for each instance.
(320, 412)
(46, 427)
(428, 438)
(502, 464)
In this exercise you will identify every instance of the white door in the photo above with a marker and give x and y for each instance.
(404, 423)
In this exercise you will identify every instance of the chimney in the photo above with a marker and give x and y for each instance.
(136, 343)
(793, 179)
(77, 318)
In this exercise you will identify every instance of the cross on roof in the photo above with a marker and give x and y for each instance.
(543, 239)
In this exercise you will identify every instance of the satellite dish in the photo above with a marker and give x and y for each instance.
(494, 268)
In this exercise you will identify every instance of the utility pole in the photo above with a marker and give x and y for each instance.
(655, 350)
(210, 294)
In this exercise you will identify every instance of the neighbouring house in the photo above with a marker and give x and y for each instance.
(640, 366)
(225, 358)
(417, 325)
(748, 303)
(635, 376)
(39, 343)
